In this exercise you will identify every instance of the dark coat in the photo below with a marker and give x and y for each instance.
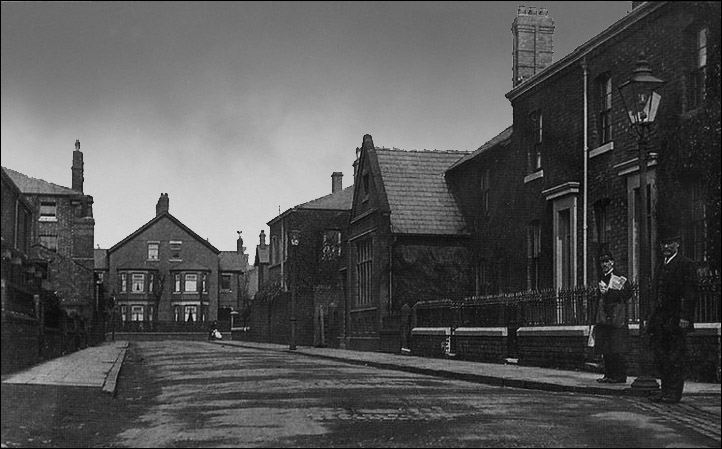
(612, 309)
(674, 295)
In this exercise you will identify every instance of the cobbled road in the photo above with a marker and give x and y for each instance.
(199, 394)
(214, 396)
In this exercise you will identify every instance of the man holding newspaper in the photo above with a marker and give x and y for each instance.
(612, 331)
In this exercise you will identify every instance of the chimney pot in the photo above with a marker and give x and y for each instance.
(262, 239)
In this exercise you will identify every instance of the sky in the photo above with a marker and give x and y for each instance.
(239, 110)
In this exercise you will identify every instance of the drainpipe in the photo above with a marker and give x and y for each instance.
(586, 178)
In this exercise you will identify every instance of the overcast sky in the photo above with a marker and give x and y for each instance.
(238, 110)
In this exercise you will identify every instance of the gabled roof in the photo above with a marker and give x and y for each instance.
(29, 185)
(231, 261)
(503, 139)
(419, 198)
(155, 220)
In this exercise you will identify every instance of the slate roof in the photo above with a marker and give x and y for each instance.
(503, 138)
(342, 200)
(231, 261)
(419, 198)
(29, 185)
(156, 219)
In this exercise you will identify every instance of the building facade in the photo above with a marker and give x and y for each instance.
(164, 272)
(408, 241)
(62, 234)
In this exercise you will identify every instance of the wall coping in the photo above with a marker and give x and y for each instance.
(431, 331)
(553, 331)
(481, 331)
(700, 329)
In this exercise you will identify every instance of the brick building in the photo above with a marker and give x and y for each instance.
(165, 272)
(316, 264)
(564, 185)
(408, 241)
(62, 235)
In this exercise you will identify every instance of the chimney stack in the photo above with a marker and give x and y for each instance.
(533, 30)
(163, 204)
(240, 249)
(77, 168)
(336, 182)
(262, 239)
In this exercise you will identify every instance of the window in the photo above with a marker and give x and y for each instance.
(484, 286)
(151, 313)
(124, 313)
(50, 242)
(535, 157)
(533, 253)
(694, 240)
(191, 283)
(136, 313)
(175, 249)
(484, 186)
(698, 69)
(48, 211)
(177, 313)
(153, 250)
(604, 83)
(138, 282)
(190, 313)
(364, 272)
(204, 283)
(226, 282)
(331, 246)
(365, 183)
(123, 283)
(275, 255)
(177, 284)
(151, 281)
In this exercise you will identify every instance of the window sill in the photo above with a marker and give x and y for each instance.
(536, 175)
(48, 219)
(609, 146)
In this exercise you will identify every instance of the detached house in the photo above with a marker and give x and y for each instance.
(315, 264)
(166, 272)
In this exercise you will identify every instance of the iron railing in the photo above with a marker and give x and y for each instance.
(565, 307)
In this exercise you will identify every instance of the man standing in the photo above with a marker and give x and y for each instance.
(612, 330)
(673, 301)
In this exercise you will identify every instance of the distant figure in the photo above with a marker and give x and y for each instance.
(612, 331)
(673, 301)
(213, 333)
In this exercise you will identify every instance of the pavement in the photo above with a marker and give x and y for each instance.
(99, 366)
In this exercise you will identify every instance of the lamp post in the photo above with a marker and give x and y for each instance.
(641, 102)
(294, 237)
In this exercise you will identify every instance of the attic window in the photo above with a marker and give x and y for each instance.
(48, 211)
(175, 249)
(365, 181)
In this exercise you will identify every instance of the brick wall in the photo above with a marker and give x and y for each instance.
(564, 347)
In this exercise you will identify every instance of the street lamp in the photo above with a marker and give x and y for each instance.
(641, 101)
(294, 237)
